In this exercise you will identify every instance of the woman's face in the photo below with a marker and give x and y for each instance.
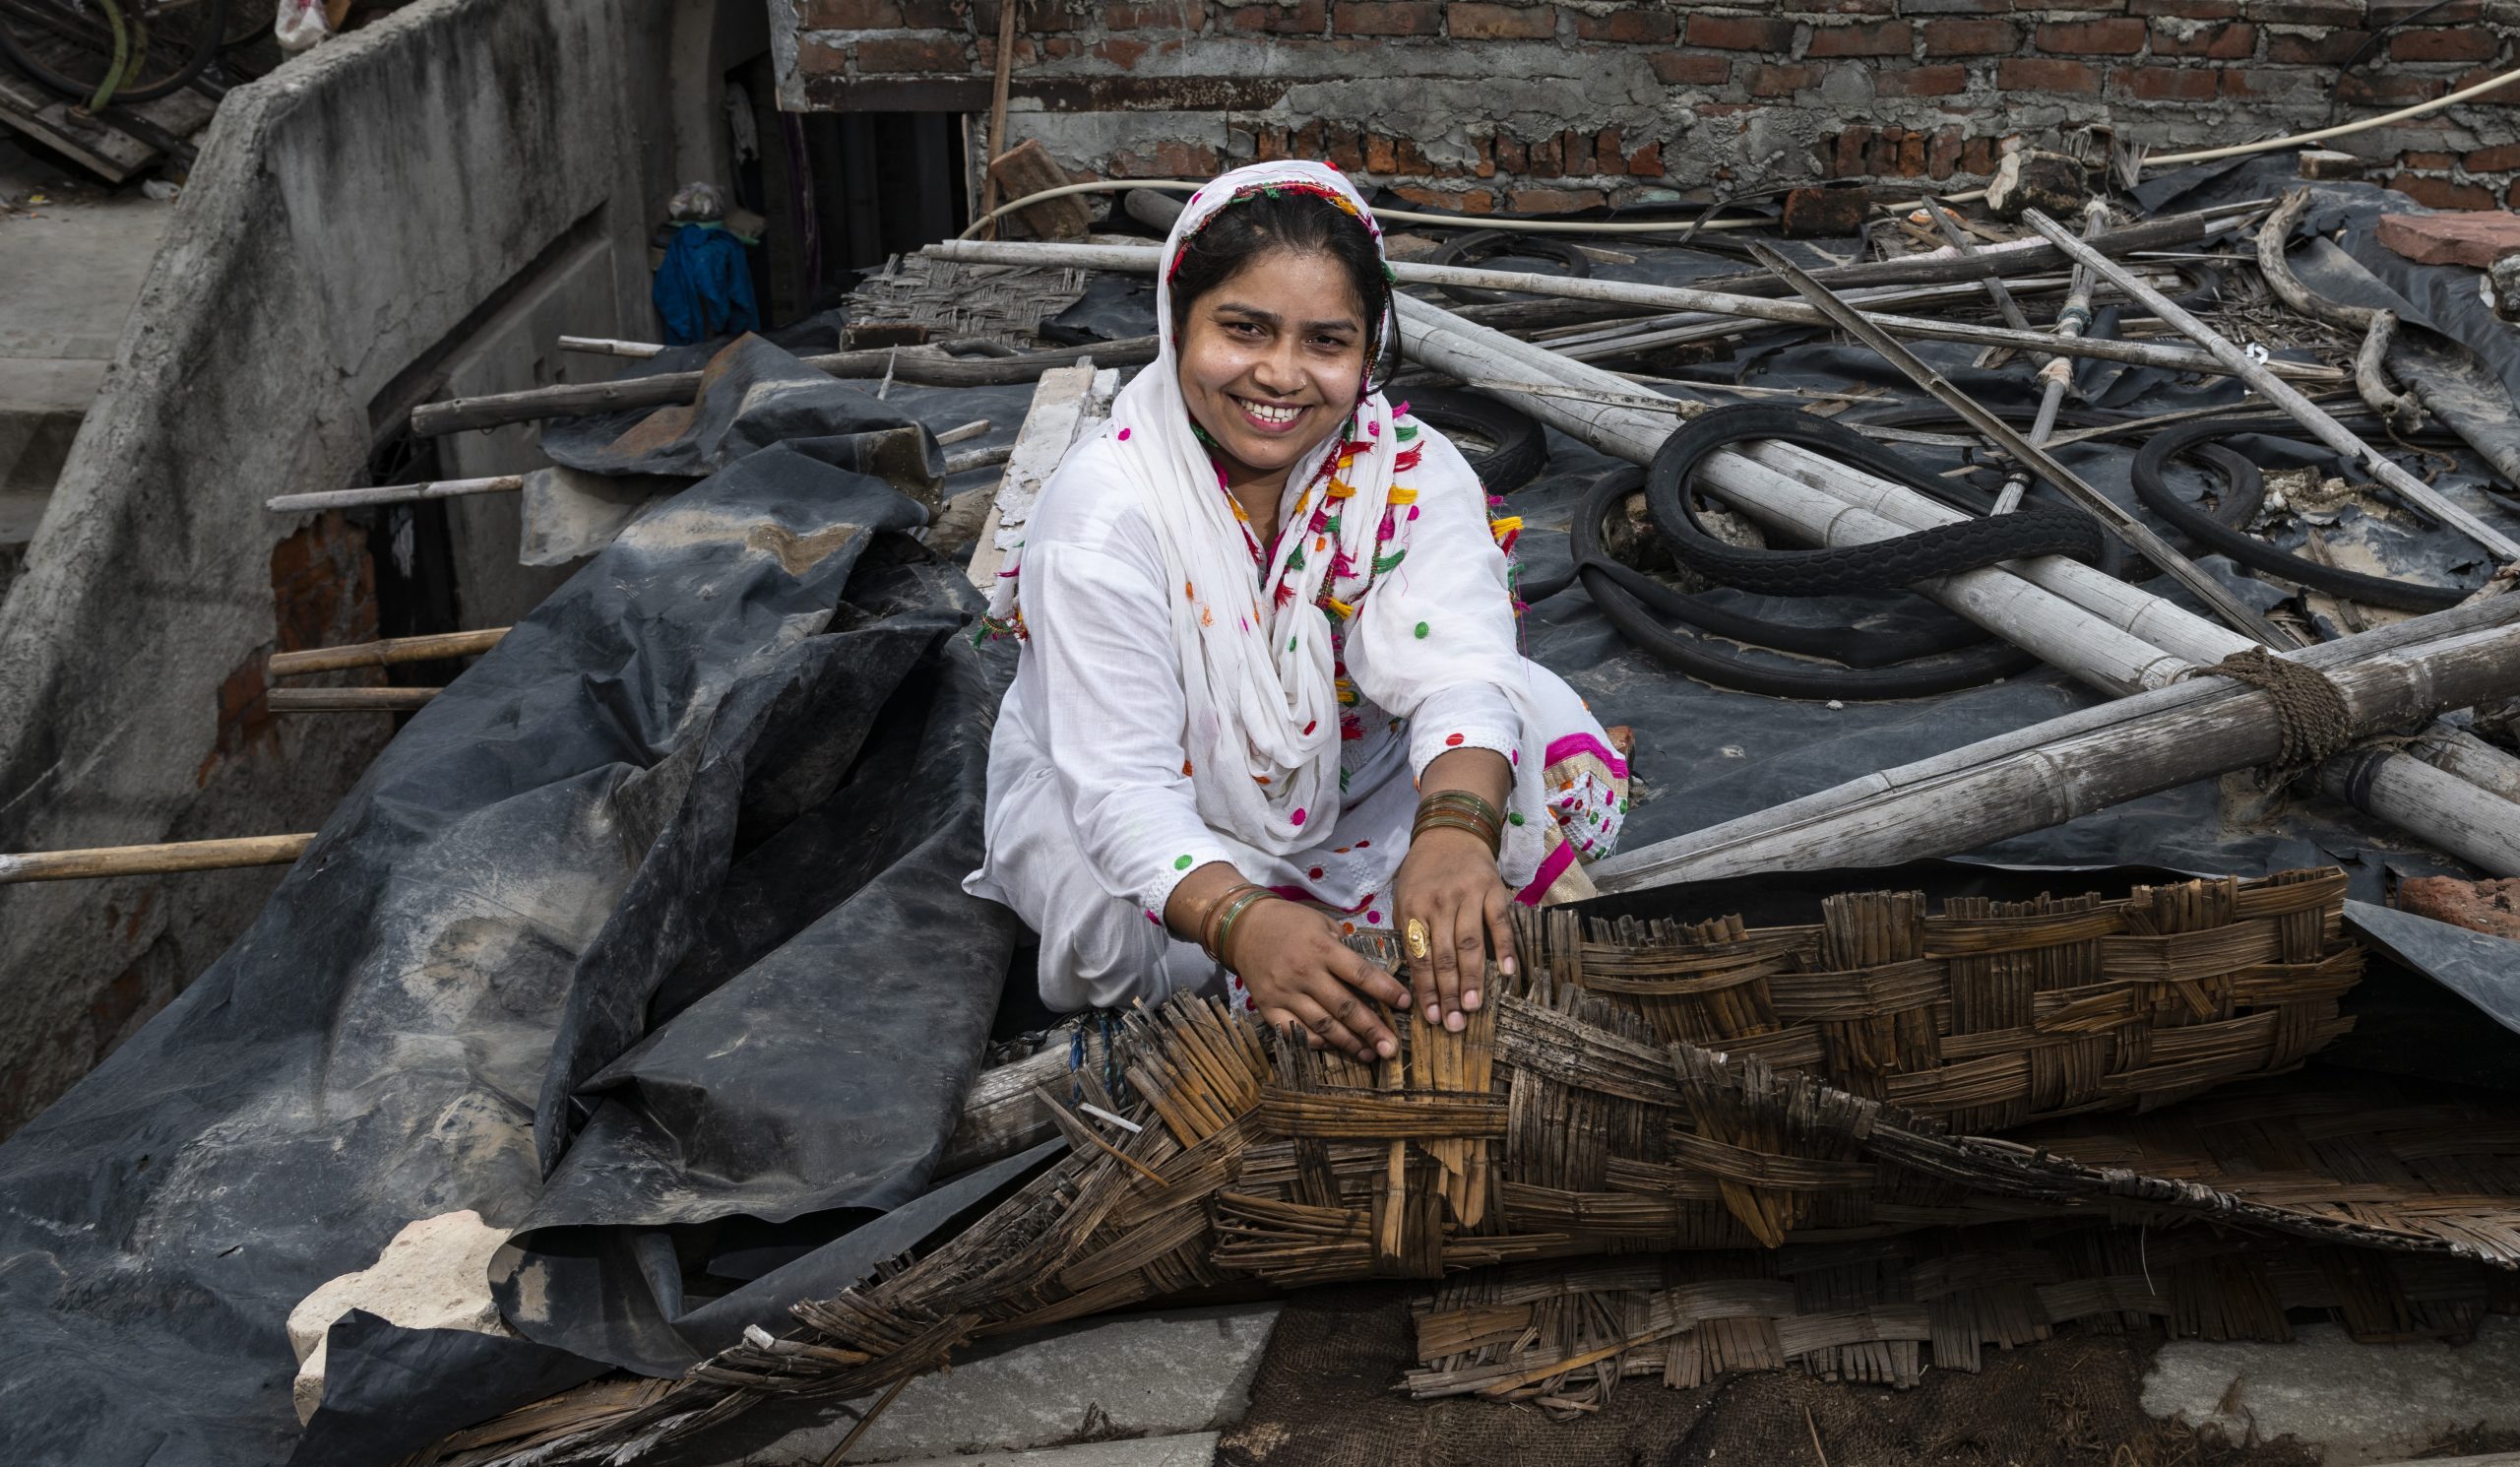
(1270, 359)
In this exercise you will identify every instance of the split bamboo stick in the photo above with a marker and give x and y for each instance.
(398, 493)
(2275, 389)
(385, 652)
(349, 699)
(155, 860)
(1142, 260)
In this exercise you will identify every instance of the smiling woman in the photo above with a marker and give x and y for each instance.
(1270, 691)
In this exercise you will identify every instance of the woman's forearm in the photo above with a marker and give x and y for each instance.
(1194, 900)
(1481, 772)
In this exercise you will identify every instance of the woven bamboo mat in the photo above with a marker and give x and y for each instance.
(1713, 1148)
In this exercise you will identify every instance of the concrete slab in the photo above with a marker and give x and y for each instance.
(2357, 1404)
(1133, 1390)
(1194, 1449)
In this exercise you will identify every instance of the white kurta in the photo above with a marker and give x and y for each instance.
(1092, 820)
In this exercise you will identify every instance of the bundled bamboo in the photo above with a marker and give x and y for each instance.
(1805, 1130)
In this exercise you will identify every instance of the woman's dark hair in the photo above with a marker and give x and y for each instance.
(1287, 218)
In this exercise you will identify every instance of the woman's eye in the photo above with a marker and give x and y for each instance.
(1243, 327)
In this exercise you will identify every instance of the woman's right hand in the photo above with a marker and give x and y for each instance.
(1298, 972)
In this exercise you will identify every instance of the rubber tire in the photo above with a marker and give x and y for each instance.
(1479, 244)
(1521, 446)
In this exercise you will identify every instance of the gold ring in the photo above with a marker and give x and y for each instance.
(1419, 947)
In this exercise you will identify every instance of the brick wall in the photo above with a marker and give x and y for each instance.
(1484, 106)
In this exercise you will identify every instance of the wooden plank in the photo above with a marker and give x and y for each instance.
(107, 152)
(1071, 404)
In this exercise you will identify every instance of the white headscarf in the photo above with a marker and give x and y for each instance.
(1264, 693)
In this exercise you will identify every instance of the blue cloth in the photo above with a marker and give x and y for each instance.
(703, 288)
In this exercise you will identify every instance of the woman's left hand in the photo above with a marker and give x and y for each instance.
(1449, 882)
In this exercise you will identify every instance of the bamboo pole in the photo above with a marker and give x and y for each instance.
(2056, 373)
(2130, 531)
(398, 493)
(996, 144)
(2275, 389)
(2044, 775)
(2459, 753)
(604, 345)
(1140, 259)
(385, 652)
(349, 699)
(2433, 804)
(155, 860)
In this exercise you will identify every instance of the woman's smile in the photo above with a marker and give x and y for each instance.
(1271, 417)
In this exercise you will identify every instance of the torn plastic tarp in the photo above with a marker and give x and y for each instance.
(735, 762)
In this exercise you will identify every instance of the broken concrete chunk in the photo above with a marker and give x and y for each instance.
(2472, 237)
(2479, 906)
(2320, 163)
(2502, 285)
(2030, 179)
(434, 1275)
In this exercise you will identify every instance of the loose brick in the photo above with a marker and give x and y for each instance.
(1736, 33)
(1557, 200)
(2441, 193)
(1389, 18)
(2233, 42)
(2387, 88)
(2119, 35)
(884, 55)
(2165, 83)
(1475, 20)
(2464, 44)
(1959, 37)
(1921, 81)
(1681, 69)
(2499, 159)
(2330, 49)
(1884, 38)
(1781, 81)
(2042, 74)
(1305, 18)
(1626, 25)
(849, 15)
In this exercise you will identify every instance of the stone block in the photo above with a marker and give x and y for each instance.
(434, 1275)
(2471, 238)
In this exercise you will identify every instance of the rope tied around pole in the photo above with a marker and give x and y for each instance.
(2309, 710)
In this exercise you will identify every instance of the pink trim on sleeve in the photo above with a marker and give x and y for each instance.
(1551, 866)
(1568, 745)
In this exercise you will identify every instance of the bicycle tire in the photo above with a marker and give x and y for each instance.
(196, 50)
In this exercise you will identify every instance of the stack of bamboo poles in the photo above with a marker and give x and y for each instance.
(1806, 1114)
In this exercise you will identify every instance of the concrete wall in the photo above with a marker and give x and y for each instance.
(366, 221)
(1480, 105)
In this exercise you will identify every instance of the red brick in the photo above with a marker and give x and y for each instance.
(2466, 43)
(933, 15)
(1121, 51)
(2304, 11)
(1476, 19)
(1171, 158)
(2166, 83)
(2190, 10)
(1847, 157)
(1547, 158)
(1305, 18)
(1389, 18)
(2388, 88)
(817, 58)
(2330, 49)
(1511, 157)
(2040, 74)
(1978, 155)
(1735, 34)
(1921, 81)
(1942, 157)
(1781, 81)
(1468, 200)
(1721, 108)
(1681, 69)
(2234, 41)
(2397, 12)
(1627, 25)
(1885, 38)
(2427, 159)
(2499, 159)
(1347, 149)
(1965, 38)
(1557, 200)
(2500, 96)
(849, 15)
(1610, 152)
(2119, 35)
(2441, 193)
(1646, 162)
(1030, 14)
(884, 55)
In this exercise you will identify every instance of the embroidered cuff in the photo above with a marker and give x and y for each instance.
(1157, 892)
(1463, 718)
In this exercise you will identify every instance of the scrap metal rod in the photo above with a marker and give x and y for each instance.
(2137, 535)
(2275, 390)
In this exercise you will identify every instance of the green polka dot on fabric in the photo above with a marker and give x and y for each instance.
(1182, 865)
(1421, 631)
(1513, 817)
